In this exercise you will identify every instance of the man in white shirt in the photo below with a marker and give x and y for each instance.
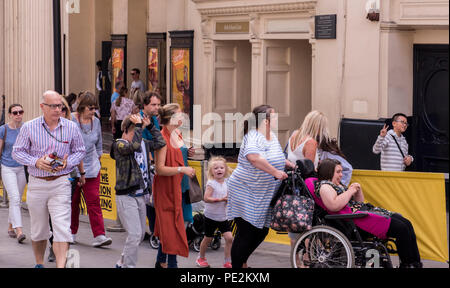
(393, 146)
(137, 83)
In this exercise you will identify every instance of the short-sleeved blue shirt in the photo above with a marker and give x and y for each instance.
(10, 140)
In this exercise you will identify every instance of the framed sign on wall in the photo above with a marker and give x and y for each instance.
(182, 71)
(118, 62)
(156, 63)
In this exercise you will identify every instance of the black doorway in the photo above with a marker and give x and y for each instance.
(430, 112)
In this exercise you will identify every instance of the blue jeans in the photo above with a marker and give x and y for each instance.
(162, 258)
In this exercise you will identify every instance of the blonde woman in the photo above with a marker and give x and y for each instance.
(304, 143)
(65, 111)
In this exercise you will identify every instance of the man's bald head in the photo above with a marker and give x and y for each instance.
(51, 105)
(50, 95)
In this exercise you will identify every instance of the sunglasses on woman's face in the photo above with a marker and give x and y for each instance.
(15, 113)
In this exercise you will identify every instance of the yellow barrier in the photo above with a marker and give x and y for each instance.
(419, 197)
(197, 165)
(107, 190)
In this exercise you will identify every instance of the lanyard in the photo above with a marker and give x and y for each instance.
(51, 135)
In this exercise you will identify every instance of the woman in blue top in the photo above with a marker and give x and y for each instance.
(13, 174)
(253, 183)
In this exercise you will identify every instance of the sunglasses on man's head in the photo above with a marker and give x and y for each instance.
(15, 113)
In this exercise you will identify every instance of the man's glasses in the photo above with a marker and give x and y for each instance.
(15, 113)
(54, 106)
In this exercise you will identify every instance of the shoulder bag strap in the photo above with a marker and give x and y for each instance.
(403, 155)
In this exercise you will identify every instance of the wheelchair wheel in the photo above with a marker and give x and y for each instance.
(322, 247)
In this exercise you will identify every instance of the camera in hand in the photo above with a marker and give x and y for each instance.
(54, 160)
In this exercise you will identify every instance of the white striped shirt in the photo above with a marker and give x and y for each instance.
(391, 158)
(34, 141)
(250, 190)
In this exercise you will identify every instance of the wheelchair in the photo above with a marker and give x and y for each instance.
(335, 241)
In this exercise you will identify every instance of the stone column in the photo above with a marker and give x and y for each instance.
(28, 52)
(175, 14)
(208, 65)
(119, 30)
(157, 16)
(2, 51)
(119, 17)
(312, 41)
(258, 73)
(257, 96)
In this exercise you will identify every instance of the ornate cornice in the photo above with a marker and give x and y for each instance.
(302, 6)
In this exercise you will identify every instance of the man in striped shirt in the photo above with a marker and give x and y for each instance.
(392, 158)
(49, 188)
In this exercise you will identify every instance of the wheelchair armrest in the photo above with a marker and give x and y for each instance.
(346, 216)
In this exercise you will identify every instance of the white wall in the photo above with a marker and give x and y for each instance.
(137, 39)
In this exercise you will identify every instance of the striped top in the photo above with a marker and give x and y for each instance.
(34, 141)
(391, 158)
(250, 190)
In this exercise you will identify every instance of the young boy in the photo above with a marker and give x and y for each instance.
(132, 182)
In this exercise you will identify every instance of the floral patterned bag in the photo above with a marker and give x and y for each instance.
(293, 212)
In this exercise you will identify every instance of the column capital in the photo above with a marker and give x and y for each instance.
(206, 26)
(254, 26)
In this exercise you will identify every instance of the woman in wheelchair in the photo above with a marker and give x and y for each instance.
(336, 198)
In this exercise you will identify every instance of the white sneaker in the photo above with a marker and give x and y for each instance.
(101, 240)
(74, 239)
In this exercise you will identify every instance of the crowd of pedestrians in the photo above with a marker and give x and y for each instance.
(61, 152)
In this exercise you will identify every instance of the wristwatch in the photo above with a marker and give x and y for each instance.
(82, 174)
(179, 170)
